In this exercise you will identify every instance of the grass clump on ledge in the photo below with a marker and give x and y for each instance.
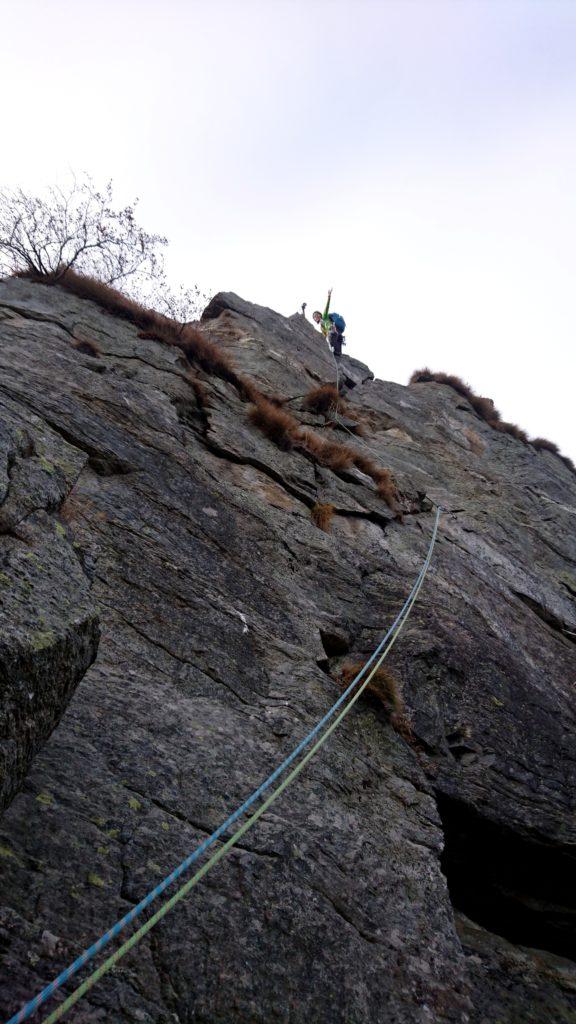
(195, 346)
(322, 516)
(487, 411)
(387, 688)
(542, 444)
(327, 401)
(278, 425)
(324, 400)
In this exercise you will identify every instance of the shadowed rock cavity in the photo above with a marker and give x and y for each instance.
(518, 887)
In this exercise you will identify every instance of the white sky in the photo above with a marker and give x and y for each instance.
(418, 155)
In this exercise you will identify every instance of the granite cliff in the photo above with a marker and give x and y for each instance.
(406, 878)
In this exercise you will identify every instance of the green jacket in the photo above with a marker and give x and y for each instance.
(326, 325)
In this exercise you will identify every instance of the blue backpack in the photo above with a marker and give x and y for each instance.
(338, 321)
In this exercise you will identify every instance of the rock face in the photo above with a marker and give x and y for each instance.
(395, 882)
(48, 627)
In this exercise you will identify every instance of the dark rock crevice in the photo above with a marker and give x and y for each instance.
(348, 916)
(548, 617)
(262, 467)
(103, 463)
(518, 886)
(27, 314)
(204, 828)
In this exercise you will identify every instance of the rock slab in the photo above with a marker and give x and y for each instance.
(412, 883)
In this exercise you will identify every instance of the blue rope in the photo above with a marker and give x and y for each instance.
(29, 1008)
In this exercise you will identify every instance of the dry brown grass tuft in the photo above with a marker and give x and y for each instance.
(323, 400)
(278, 426)
(385, 483)
(322, 516)
(202, 352)
(336, 456)
(401, 724)
(85, 287)
(340, 457)
(386, 487)
(510, 428)
(383, 684)
(387, 688)
(310, 442)
(195, 346)
(200, 393)
(483, 406)
(543, 445)
(365, 464)
(423, 376)
(265, 413)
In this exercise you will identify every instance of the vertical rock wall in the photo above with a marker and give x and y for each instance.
(227, 616)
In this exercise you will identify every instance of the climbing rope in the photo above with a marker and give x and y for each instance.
(379, 653)
(338, 419)
(108, 964)
(337, 365)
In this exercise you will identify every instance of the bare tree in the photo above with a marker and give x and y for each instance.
(79, 228)
(76, 228)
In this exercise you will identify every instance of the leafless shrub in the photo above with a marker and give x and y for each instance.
(77, 227)
(182, 305)
(79, 240)
(80, 227)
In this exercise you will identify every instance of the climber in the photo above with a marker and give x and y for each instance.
(332, 326)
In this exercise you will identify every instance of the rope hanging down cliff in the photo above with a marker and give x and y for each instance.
(378, 656)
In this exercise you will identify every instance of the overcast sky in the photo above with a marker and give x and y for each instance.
(418, 155)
